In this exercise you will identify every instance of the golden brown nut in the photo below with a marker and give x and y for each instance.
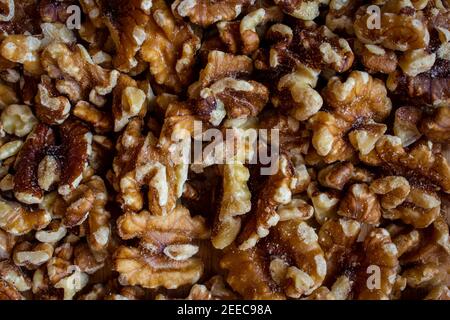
(393, 190)
(12, 281)
(376, 58)
(340, 15)
(428, 265)
(18, 220)
(17, 120)
(101, 121)
(419, 163)
(126, 23)
(128, 101)
(236, 201)
(325, 203)
(289, 263)
(169, 48)
(77, 75)
(242, 36)
(166, 255)
(301, 9)
(437, 127)
(32, 256)
(207, 12)
(24, 50)
(51, 107)
(360, 204)
(399, 31)
(338, 240)
(297, 95)
(276, 192)
(220, 65)
(420, 208)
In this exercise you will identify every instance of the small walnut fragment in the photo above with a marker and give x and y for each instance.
(169, 48)
(206, 12)
(277, 192)
(301, 9)
(167, 249)
(76, 74)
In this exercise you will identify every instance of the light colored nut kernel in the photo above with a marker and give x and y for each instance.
(18, 120)
(417, 61)
(10, 149)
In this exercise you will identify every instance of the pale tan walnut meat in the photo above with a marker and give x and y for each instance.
(54, 232)
(340, 290)
(406, 123)
(436, 127)
(101, 121)
(51, 107)
(7, 242)
(23, 49)
(76, 74)
(167, 249)
(340, 15)
(277, 191)
(162, 164)
(361, 204)
(19, 220)
(288, 263)
(393, 190)
(99, 235)
(325, 203)
(346, 256)
(126, 22)
(17, 120)
(439, 293)
(376, 58)
(398, 31)
(236, 201)
(414, 62)
(296, 93)
(302, 9)
(31, 255)
(128, 101)
(11, 274)
(360, 97)
(420, 208)
(170, 48)
(365, 137)
(243, 36)
(207, 12)
(296, 209)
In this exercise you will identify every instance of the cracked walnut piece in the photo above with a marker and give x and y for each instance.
(167, 249)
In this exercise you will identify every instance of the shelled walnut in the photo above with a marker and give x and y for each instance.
(286, 149)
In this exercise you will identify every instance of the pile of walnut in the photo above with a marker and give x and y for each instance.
(99, 198)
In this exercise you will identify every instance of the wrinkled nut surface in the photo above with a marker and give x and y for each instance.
(286, 149)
